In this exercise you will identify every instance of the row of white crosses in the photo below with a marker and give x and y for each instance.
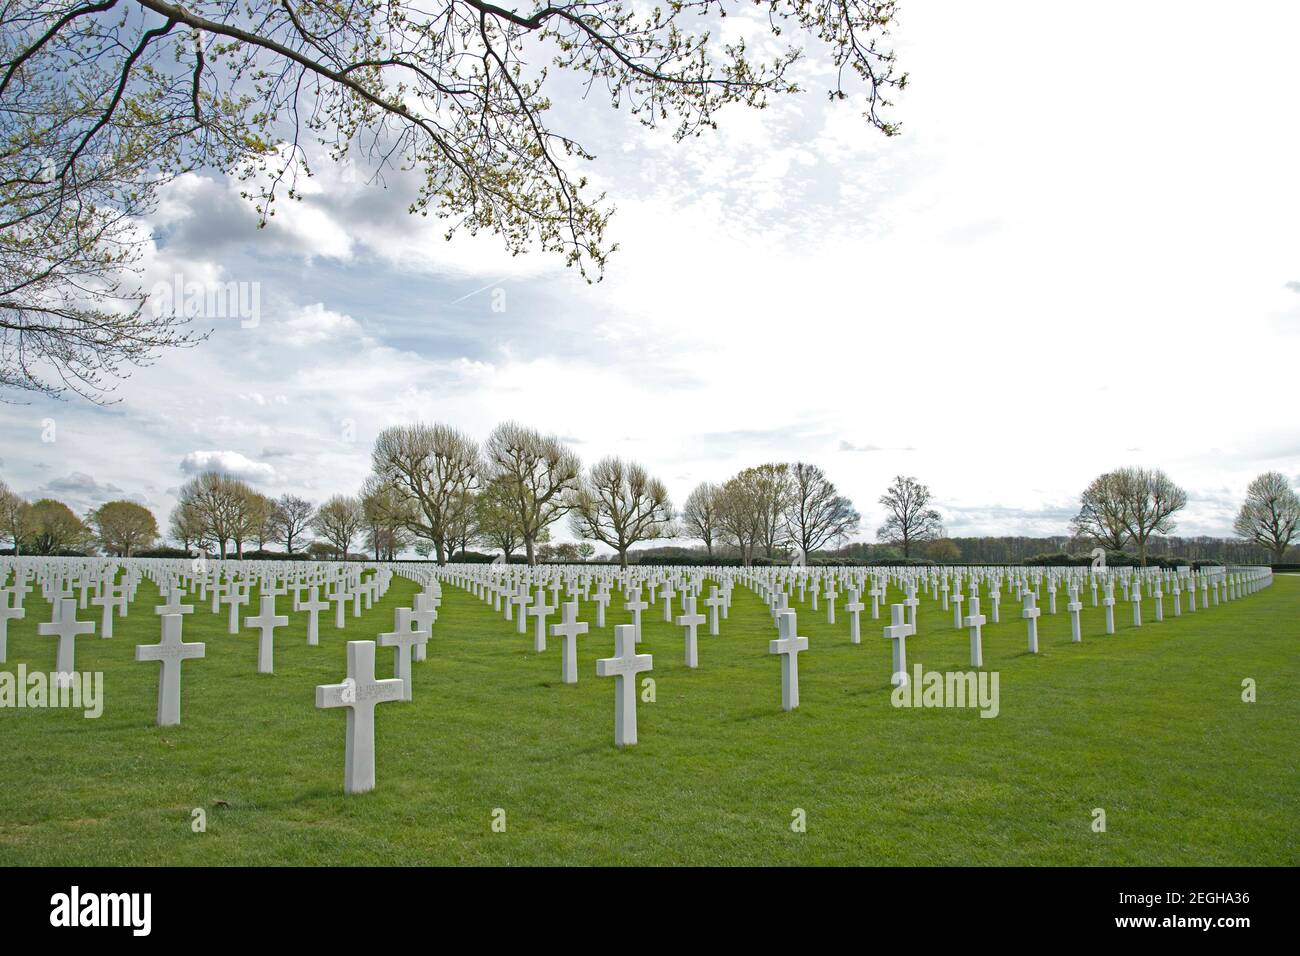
(230, 583)
(523, 593)
(517, 588)
(774, 586)
(361, 691)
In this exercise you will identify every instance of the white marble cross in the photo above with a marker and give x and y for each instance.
(912, 602)
(1074, 607)
(266, 621)
(1136, 598)
(340, 597)
(623, 667)
(568, 630)
(899, 631)
(20, 589)
(112, 598)
(67, 629)
(1031, 612)
(713, 602)
(313, 606)
(235, 597)
(219, 590)
(7, 614)
(170, 651)
(174, 604)
(668, 595)
(401, 639)
(691, 620)
(831, 595)
(636, 606)
(602, 602)
(424, 616)
(541, 610)
(789, 645)
(855, 607)
(359, 693)
(975, 620)
(1109, 602)
(523, 597)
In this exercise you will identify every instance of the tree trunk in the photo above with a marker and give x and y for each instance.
(622, 558)
(530, 551)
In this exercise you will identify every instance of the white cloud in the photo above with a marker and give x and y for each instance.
(230, 463)
(314, 324)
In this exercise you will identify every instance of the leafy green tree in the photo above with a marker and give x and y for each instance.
(51, 527)
(13, 517)
(124, 527)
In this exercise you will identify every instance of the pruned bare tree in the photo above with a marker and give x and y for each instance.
(1101, 513)
(436, 468)
(909, 517)
(259, 512)
(770, 486)
(389, 514)
(497, 522)
(219, 505)
(187, 527)
(1151, 499)
(816, 513)
(290, 519)
(619, 504)
(738, 514)
(104, 101)
(339, 520)
(1270, 515)
(538, 475)
(700, 518)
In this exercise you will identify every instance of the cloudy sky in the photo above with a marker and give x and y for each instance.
(1083, 252)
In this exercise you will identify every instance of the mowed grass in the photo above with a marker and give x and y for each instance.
(1147, 724)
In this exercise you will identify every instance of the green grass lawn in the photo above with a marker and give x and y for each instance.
(1147, 724)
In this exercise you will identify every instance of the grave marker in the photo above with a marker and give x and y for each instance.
(623, 667)
(170, 651)
(359, 693)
